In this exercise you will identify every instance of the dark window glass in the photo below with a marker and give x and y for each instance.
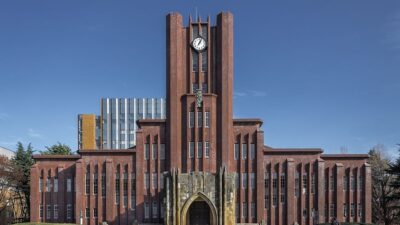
(195, 61)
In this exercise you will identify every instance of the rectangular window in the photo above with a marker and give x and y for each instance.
(191, 119)
(283, 182)
(55, 212)
(95, 184)
(199, 119)
(103, 184)
(56, 184)
(155, 150)
(95, 213)
(87, 184)
(162, 151)
(283, 198)
(205, 88)
(146, 151)
(146, 180)
(207, 118)
(133, 191)
(245, 211)
(87, 213)
(353, 183)
(266, 201)
(237, 180)
(313, 183)
(332, 210)
(244, 180)
(253, 210)
(48, 185)
(352, 209)
(191, 149)
(41, 185)
(244, 151)
(252, 151)
(283, 187)
(274, 199)
(195, 87)
(48, 212)
(155, 210)
(207, 149)
(345, 209)
(236, 151)
(199, 149)
(275, 182)
(146, 210)
(359, 210)
(41, 211)
(154, 179)
(69, 211)
(305, 182)
(195, 61)
(297, 184)
(204, 61)
(252, 181)
(266, 184)
(345, 184)
(125, 189)
(117, 188)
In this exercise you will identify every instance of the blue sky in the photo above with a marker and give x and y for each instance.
(319, 73)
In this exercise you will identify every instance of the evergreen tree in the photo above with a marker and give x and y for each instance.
(395, 184)
(23, 162)
(57, 149)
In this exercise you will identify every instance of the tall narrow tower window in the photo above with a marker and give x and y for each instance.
(195, 61)
(191, 149)
(191, 119)
(204, 61)
(207, 149)
(236, 151)
(195, 31)
(207, 118)
(199, 119)
(199, 149)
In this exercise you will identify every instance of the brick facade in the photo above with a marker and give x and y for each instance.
(200, 156)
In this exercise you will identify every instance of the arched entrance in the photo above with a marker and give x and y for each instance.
(199, 214)
(199, 210)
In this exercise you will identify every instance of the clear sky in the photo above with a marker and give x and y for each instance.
(319, 73)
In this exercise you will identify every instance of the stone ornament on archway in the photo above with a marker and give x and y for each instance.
(192, 199)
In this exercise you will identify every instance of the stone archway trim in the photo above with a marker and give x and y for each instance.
(204, 197)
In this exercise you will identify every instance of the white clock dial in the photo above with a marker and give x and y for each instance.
(199, 44)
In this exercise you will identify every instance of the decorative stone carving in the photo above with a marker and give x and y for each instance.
(201, 186)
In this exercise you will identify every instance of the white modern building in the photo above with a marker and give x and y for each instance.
(119, 116)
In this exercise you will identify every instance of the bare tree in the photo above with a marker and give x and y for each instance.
(383, 206)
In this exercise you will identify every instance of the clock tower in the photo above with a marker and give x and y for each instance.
(199, 93)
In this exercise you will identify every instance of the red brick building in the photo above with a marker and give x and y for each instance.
(200, 165)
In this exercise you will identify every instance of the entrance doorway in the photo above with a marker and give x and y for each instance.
(199, 213)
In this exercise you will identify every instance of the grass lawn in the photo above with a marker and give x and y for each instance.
(43, 223)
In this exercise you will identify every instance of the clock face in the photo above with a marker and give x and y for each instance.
(199, 44)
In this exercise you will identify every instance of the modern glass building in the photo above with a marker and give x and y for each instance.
(119, 116)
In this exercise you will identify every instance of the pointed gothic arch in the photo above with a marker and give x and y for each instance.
(196, 197)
